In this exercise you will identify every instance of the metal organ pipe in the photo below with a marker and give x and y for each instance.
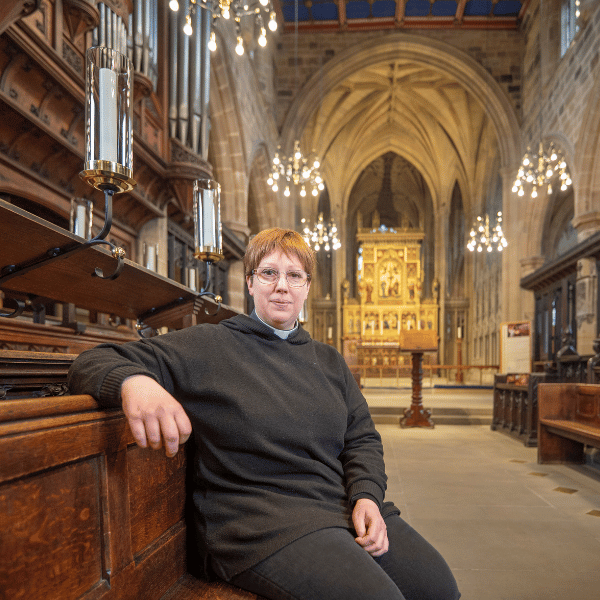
(188, 57)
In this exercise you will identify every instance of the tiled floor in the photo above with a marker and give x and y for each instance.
(509, 528)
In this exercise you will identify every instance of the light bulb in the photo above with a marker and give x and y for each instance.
(275, 187)
(303, 191)
(264, 2)
(187, 28)
(225, 13)
(298, 154)
(321, 186)
(212, 42)
(270, 181)
(276, 175)
(315, 192)
(262, 39)
(286, 193)
(272, 22)
(174, 5)
(239, 49)
(276, 160)
(521, 192)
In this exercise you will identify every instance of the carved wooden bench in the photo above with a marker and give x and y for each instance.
(86, 514)
(569, 419)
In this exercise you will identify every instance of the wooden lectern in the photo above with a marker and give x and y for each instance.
(417, 342)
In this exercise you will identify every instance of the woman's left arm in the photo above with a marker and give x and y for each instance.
(362, 456)
(370, 527)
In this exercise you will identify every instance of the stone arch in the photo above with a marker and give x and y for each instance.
(423, 50)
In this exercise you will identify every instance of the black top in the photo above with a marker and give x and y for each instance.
(284, 440)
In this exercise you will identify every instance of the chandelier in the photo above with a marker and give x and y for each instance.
(225, 8)
(296, 170)
(539, 170)
(323, 235)
(482, 236)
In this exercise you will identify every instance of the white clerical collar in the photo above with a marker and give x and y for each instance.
(282, 333)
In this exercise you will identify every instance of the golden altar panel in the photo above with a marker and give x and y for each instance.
(390, 304)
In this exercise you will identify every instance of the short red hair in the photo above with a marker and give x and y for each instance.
(288, 241)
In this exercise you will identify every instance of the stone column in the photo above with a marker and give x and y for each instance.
(236, 281)
(586, 286)
(514, 299)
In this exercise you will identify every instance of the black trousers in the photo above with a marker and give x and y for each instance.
(329, 565)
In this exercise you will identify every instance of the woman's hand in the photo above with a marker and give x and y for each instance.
(370, 527)
(154, 416)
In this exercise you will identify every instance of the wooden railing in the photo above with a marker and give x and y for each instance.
(395, 372)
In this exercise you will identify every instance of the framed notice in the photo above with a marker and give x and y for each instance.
(515, 347)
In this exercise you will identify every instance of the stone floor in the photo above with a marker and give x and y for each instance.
(509, 528)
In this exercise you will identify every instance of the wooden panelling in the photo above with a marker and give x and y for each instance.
(51, 533)
(157, 495)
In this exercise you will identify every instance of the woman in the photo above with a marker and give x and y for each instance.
(289, 475)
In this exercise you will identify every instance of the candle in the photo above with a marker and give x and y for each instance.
(208, 219)
(80, 221)
(329, 333)
(192, 278)
(107, 90)
(150, 260)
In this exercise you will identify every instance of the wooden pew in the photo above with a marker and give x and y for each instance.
(569, 419)
(86, 514)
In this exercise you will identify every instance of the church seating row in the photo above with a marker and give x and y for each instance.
(515, 405)
(85, 513)
(569, 420)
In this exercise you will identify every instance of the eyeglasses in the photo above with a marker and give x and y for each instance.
(270, 276)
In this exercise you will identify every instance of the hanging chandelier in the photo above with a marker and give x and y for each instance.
(297, 170)
(323, 235)
(540, 169)
(225, 9)
(482, 236)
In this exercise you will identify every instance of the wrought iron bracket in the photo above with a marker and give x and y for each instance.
(10, 271)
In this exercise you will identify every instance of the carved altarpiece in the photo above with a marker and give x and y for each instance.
(390, 316)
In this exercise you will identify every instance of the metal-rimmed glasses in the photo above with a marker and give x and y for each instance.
(269, 276)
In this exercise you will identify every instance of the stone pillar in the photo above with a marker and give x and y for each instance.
(585, 305)
(514, 299)
(586, 286)
(236, 281)
(529, 265)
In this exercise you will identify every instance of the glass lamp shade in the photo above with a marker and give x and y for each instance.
(80, 221)
(108, 120)
(208, 240)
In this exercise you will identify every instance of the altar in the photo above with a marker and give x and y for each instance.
(392, 327)
(391, 313)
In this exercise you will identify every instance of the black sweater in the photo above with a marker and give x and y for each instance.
(284, 440)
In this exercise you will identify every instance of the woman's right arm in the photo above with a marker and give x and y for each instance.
(154, 416)
(128, 376)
